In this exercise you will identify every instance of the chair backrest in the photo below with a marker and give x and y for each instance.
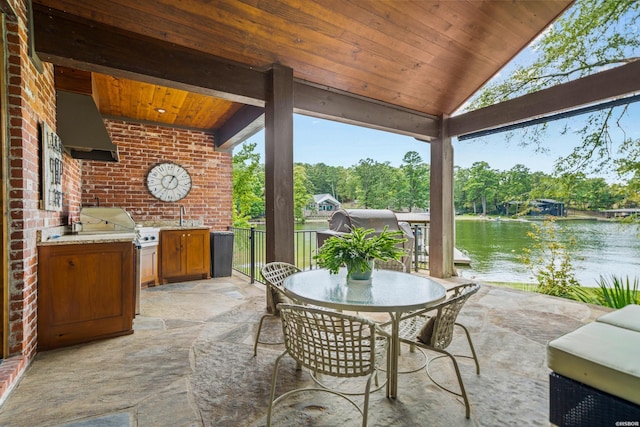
(392, 264)
(329, 342)
(448, 312)
(275, 272)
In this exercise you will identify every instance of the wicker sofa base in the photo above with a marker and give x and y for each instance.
(573, 404)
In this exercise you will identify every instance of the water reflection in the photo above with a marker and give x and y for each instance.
(602, 248)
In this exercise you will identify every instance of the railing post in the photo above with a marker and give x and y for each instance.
(252, 254)
(415, 247)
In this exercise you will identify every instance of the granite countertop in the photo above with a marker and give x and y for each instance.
(72, 239)
(60, 235)
(184, 227)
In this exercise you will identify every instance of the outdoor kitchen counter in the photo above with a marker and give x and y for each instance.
(73, 239)
(86, 288)
(184, 227)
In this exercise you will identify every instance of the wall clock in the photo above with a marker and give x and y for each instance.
(169, 182)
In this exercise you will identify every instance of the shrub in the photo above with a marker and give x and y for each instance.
(619, 292)
(549, 261)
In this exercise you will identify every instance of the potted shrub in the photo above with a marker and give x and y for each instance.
(358, 249)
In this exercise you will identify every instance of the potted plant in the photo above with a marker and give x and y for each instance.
(358, 249)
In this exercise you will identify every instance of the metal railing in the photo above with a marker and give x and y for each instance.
(249, 250)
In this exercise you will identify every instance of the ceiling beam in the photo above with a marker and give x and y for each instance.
(248, 121)
(7, 9)
(63, 39)
(331, 104)
(596, 88)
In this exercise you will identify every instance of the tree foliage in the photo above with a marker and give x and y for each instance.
(415, 191)
(378, 184)
(479, 189)
(592, 36)
(248, 186)
(302, 191)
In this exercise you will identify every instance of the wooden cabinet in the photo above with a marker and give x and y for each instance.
(149, 265)
(85, 292)
(185, 255)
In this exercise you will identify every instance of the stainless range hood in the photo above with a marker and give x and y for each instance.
(81, 128)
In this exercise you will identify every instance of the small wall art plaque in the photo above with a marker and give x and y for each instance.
(51, 170)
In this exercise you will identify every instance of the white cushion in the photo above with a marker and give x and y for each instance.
(603, 356)
(627, 317)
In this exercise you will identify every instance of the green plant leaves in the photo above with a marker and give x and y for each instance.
(358, 247)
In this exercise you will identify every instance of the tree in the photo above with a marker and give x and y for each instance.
(377, 182)
(460, 196)
(247, 188)
(416, 174)
(482, 185)
(592, 36)
(302, 191)
(515, 187)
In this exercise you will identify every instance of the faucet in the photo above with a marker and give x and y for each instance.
(182, 211)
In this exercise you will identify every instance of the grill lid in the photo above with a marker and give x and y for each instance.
(344, 220)
(106, 220)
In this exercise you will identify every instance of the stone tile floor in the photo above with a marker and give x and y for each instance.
(190, 363)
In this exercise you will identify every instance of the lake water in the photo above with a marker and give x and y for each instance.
(602, 248)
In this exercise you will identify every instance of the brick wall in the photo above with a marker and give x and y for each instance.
(31, 101)
(141, 146)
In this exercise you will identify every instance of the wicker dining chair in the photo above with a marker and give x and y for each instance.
(391, 264)
(274, 274)
(329, 343)
(433, 328)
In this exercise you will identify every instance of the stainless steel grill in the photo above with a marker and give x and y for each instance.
(343, 220)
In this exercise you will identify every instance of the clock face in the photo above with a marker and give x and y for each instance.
(169, 182)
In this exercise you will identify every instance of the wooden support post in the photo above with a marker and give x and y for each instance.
(279, 165)
(441, 227)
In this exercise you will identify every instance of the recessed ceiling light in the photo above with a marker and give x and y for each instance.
(161, 110)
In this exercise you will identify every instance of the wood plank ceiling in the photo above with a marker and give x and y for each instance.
(426, 56)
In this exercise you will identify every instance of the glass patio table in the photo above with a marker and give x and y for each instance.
(393, 292)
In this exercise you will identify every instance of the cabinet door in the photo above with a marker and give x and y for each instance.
(85, 292)
(197, 253)
(149, 265)
(172, 264)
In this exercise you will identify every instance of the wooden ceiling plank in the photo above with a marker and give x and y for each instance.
(449, 75)
(610, 84)
(71, 80)
(65, 40)
(310, 48)
(206, 110)
(172, 105)
(141, 99)
(109, 90)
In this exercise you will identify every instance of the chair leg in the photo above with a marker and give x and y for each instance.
(255, 345)
(273, 388)
(473, 350)
(365, 405)
(463, 392)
